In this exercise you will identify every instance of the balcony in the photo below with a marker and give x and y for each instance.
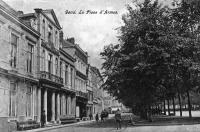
(48, 76)
(81, 94)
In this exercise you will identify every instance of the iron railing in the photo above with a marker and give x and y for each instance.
(50, 76)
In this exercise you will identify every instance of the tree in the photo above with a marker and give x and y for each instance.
(156, 51)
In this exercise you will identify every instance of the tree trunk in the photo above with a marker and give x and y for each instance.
(180, 105)
(164, 108)
(189, 104)
(168, 107)
(174, 106)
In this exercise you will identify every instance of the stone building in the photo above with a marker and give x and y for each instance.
(19, 92)
(97, 81)
(50, 83)
(90, 87)
(67, 68)
(81, 77)
(41, 71)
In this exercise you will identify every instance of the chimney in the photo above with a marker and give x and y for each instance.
(37, 10)
(71, 40)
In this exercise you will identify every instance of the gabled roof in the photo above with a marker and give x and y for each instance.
(52, 16)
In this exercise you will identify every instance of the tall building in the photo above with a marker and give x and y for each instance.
(81, 76)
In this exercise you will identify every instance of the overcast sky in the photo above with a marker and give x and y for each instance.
(91, 31)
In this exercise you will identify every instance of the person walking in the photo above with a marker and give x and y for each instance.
(118, 118)
(43, 118)
(90, 115)
(97, 117)
(102, 116)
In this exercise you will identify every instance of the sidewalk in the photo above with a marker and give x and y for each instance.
(58, 126)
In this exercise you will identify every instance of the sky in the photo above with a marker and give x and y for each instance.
(91, 31)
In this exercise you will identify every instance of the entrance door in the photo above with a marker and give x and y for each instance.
(49, 105)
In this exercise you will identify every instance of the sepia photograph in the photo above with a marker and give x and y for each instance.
(99, 65)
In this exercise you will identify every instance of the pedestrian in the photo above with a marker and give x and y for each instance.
(43, 118)
(90, 115)
(97, 117)
(118, 118)
(102, 116)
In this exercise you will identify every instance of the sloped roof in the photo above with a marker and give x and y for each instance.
(13, 13)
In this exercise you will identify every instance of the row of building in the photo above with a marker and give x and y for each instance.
(42, 71)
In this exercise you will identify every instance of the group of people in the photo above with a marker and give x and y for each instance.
(103, 115)
(118, 118)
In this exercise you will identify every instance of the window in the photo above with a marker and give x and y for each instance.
(61, 70)
(29, 101)
(43, 60)
(43, 29)
(56, 66)
(50, 65)
(12, 96)
(14, 40)
(50, 38)
(71, 77)
(30, 58)
(56, 35)
(66, 75)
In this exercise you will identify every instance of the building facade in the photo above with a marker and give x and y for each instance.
(90, 87)
(67, 68)
(18, 63)
(97, 81)
(81, 58)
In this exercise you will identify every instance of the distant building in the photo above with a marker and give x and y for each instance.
(90, 87)
(97, 81)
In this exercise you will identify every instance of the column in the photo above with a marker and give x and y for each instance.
(33, 104)
(65, 104)
(53, 106)
(58, 107)
(45, 102)
(69, 105)
(74, 105)
(39, 104)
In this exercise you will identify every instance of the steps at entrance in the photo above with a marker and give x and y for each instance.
(50, 124)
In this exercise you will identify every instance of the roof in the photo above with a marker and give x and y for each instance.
(14, 16)
(52, 16)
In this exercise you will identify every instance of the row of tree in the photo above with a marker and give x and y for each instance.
(158, 56)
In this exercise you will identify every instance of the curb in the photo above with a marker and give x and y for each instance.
(56, 127)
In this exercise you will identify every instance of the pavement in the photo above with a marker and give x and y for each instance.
(159, 124)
